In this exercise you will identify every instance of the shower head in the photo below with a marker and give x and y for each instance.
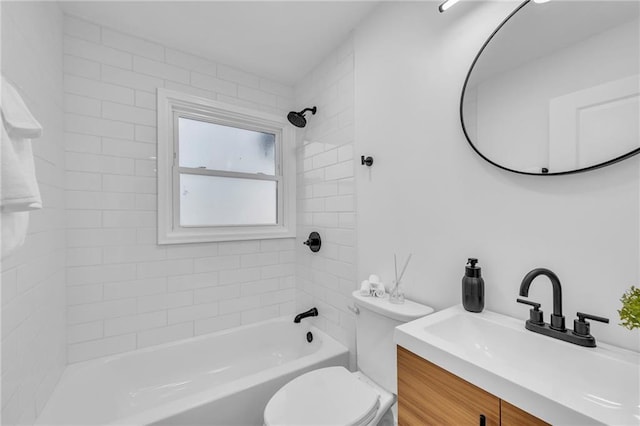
(297, 118)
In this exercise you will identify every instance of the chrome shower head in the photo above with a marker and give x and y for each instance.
(297, 118)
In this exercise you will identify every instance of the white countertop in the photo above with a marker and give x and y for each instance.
(559, 382)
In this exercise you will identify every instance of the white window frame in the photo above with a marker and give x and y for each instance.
(171, 105)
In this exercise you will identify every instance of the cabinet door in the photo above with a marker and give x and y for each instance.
(429, 395)
(513, 416)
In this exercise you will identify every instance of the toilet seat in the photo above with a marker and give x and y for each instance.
(328, 396)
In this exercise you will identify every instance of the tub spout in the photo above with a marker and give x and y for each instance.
(313, 312)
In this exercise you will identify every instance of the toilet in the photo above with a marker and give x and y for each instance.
(334, 396)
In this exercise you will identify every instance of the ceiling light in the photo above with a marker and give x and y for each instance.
(447, 4)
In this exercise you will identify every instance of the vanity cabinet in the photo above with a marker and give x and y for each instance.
(511, 415)
(429, 395)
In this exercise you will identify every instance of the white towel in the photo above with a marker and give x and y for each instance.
(378, 289)
(20, 190)
(365, 288)
(16, 117)
(14, 231)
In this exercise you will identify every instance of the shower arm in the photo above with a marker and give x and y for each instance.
(313, 110)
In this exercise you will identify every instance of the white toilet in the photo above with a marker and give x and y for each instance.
(334, 396)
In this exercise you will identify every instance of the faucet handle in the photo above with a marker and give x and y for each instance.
(581, 327)
(535, 305)
(582, 317)
(535, 314)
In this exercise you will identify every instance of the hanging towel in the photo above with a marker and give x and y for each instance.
(19, 186)
(19, 190)
(14, 231)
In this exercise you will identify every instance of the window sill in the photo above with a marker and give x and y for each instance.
(198, 235)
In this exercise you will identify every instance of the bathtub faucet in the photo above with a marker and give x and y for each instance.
(313, 312)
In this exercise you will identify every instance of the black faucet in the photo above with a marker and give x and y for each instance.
(557, 320)
(313, 312)
(556, 329)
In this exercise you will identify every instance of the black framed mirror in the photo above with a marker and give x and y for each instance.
(556, 88)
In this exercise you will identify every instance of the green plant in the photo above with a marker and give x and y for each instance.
(630, 312)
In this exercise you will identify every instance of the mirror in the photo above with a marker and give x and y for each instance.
(556, 88)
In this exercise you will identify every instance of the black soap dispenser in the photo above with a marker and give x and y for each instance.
(472, 287)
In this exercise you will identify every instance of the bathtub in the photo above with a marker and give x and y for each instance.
(225, 378)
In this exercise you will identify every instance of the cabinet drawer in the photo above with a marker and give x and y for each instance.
(429, 395)
(511, 415)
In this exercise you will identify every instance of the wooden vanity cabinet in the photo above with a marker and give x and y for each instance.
(511, 415)
(429, 395)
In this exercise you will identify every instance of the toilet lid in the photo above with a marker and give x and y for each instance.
(328, 396)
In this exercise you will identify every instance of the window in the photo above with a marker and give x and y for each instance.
(224, 172)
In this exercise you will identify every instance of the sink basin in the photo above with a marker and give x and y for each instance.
(557, 381)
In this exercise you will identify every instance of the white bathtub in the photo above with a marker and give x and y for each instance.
(224, 378)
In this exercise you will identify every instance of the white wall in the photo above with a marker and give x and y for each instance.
(514, 106)
(428, 193)
(124, 291)
(326, 200)
(33, 295)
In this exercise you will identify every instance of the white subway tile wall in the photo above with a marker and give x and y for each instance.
(326, 201)
(33, 291)
(124, 291)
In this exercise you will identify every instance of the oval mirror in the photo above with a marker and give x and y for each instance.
(556, 88)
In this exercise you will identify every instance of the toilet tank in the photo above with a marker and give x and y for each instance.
(375, 324)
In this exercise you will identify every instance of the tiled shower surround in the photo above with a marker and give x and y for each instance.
(91, 280)
(326, 200)
(124, 291)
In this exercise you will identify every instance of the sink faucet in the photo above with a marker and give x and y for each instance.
(580, 335)
(557, 320)
(313, 312)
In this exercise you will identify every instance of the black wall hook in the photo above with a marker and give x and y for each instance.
(366, 161)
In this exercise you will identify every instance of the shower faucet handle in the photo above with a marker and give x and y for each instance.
(314, 242)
